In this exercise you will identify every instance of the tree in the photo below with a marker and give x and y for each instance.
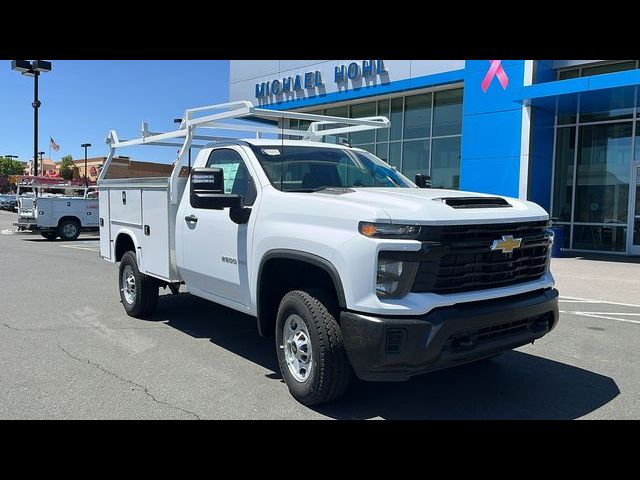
(9, 166)
(66, 167)
(5, 186)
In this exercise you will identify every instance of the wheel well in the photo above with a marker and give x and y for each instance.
(124, 243)
(278, 276)
(69, 217)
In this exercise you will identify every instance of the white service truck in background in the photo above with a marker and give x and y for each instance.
(58, 215)
(350, 265)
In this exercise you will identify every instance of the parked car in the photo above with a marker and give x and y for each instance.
(9, 202)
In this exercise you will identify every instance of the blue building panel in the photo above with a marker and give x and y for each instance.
(491, 175)
(496, 98)
(494, 134)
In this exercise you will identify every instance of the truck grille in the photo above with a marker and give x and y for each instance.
(459, 258)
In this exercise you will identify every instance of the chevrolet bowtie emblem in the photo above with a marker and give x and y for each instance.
(507, 245)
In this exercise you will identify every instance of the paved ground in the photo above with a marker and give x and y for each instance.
(68, 350)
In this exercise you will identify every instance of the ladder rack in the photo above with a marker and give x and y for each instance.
(210, 117)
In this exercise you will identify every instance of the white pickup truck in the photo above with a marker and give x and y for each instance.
(351, 266)
(58, 215)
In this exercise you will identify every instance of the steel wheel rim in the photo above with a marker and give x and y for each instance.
(69, 230)
(296, 343)
(129, 284)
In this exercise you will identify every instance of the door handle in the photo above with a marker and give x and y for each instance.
(191, 218)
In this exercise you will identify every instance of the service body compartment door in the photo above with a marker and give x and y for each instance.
(155, 238)
(44, 212)
(91, 212)
(105, 231)
(126, 206)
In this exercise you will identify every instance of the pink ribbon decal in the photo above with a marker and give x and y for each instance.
(495, 70)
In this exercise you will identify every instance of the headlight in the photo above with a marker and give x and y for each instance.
(388, 230)
(394, 277)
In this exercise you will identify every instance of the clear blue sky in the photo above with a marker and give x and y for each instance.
(83, 99)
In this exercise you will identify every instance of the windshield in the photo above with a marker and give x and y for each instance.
(309, 169)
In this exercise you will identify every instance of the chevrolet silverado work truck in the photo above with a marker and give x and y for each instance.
(352, 267)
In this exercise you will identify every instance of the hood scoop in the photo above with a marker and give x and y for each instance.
(475, 202)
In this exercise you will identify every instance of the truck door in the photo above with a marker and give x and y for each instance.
(215, 249)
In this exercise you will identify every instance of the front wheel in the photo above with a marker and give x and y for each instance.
(138, 292)
(310, 349)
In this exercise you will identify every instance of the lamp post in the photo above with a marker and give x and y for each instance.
(33, 69)
(86, 179)
(178, 121)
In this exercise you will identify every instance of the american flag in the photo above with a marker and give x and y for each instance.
(54, 145)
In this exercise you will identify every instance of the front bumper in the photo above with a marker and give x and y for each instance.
(397, 348)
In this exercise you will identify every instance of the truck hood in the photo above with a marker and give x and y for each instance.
(425, 206)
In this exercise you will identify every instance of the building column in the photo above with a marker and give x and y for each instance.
(492, 132)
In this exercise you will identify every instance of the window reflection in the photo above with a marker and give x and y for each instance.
(604, 165)
(563, 173)
(445, 163)
(412, 144)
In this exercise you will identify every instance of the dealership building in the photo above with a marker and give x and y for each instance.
(561, 133)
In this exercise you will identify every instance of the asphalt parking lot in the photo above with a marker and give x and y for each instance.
(69, 351)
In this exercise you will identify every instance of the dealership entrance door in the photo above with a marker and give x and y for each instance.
(635, 212)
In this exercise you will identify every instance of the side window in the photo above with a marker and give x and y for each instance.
(236, 175)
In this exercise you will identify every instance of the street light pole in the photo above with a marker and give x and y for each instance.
(33, 69)
(86, 178)
(36, 106)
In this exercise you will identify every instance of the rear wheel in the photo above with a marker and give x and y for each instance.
(138, 292)
(69, 229)
(310, 349)
(49, 235)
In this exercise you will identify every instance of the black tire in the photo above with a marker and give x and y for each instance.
(49, 235)
(330, 373)
(145, 299)
(69, 229)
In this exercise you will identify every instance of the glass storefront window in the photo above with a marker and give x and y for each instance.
(598, 237)
(447, 113)
(636, 209)
(382, 151)
(396, 118)
(417, 116)
(382, 134)
(603, 175)
(563, 173)
(395, 155)
(338, 112)
(445, 162)
(412, 144)
(611, 68)
(370, 147)
(567, 74)
(415, 158)
(363, 110)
